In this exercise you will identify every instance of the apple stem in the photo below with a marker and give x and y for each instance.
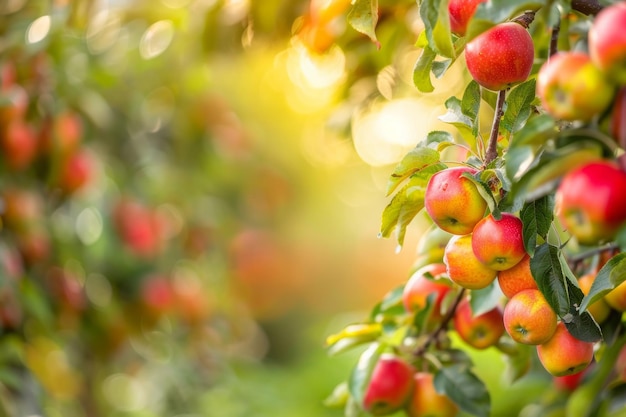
(492, 146)
(526, 18)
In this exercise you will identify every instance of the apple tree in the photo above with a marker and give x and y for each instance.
(524, 190)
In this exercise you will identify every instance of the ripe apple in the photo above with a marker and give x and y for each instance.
(66, 289)
(19, 144)
(139, 228)
(14, 104)
(390, 385)
(499, 243)
(517, 278)
(568, 382)
(453, 202)
(463, 267)
(22, 208)
(528, 318)
(460, 12)
(77, 171)
(563, 354)
(607, 42)
(571, 87)
(501, 56)
(617, 122)
(599, 310)
(480, 331)
(61, 134)
(425, 401)
(590, 202)
(616, 298)
(427, 280)
(156, 296)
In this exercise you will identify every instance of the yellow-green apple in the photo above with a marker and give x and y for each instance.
(517, 278)
(616, 298)
(571, 87)
(425, 401)
(590, 202)
(479, 331)
(463, 267)
(499, 243)
(390, 385)
(528, 318)
(607, 42)
(600, 310)
(453, 201)
(427, 280)
(563, 354)
(460, 12)
(19, 144)
(501, 56)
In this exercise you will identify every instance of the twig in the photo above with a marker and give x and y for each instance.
(492, 146)
(587, 7)
(554, 39)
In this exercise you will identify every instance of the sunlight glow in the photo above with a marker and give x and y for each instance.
(156, 39)
(39, 29)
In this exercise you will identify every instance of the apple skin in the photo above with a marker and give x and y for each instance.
(563, 354)
(453, 202)
(420, 286)
(517, 278)
(616, 298)
(590, 202)
(600, 309)
(499, 243)
(571, 87)
(425, 401)
(390, 385)
(460, 12)
(480, 331)
(617, 122)
(528, 318)
(463, 267)
(607, 42)
(501, 56)
(568, 382)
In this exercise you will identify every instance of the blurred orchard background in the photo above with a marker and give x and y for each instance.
(191, 193)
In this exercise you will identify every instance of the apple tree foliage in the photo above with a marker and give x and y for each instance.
(533, 151)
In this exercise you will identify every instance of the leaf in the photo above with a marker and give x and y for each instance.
(517, 365)
(434, 14)
(416, 159)
(352, 335)
(610, 276)
(485, 299)
(422, 69)
(339, 396)
(439, 136)
(361, 373)
(470, 104)
(390, 305)
(493, 12)
(536, 131)
(536, 216)
(485, 191)
(518, 108)
(454, 116)
(464, 388)
(363, 17)
(546, 268)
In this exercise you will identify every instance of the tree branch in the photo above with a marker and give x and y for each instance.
(492, 146)
(587, 7)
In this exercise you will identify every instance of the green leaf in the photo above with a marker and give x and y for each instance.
(537, 216)
(390, 305)
(361, 373)
(490, 13)
(485, 299)
(438, 136)
(455, 116)
(464, 388)
(610, 276)
(434, 14)
(422, 69)
(536, 132)
(415, 160)
(546, 268)
(363, 17)
(518, 108)
(339, 396)
(470, 104)
(485, 191)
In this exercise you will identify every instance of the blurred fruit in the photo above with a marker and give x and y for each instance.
(599, 309)
(22, 208)
(77, 170)
(517, 278)
(616, 298)
(607, 42)
(463, 267)
(139, 228)
(461, 11)
(563, 354)
(389, 386)
(479, 331)
(61, 134)
(453, 202)
(425, 401)
(617, 122)
(323, 12)
(19, 145)
(568, 382)
(498, 243)
(500, 57)
(14, 104)
(431, 246)
(430, 280)
(528, 318)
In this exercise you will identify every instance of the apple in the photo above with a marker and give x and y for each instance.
(563, 354)
(67, 290)
(517, 278)
(453, 201)
(77, 171)
(139, 228)
(571, 87)
(463, 267)
(34, 244)
(607, 42)
(501, 56)
(600, 309)
(431, 247)
(19, 144)
(617, 122)
(481, 331)
(568, 382)
(616, 298)
(157, 295)
(61, 134)
(14, 104)
(191, 301)
(528, 318)
(389, 386)
(425, 401)
(427, 280)
(22, 208)
(499, 243)
(590, 202)
(11, 312)
(460, 12)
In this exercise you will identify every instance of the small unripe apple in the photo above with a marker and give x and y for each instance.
(453, 201)
(390, 385)
(460, 12)
(499, 243)
(590, 202)
(571, 87)
(479, 331)
(463, 267)
(517, 278)
(425, 401)
(599, 309)
(430, 279)
(607, 41)
(563, 354)
(528, 318)
(501, 56)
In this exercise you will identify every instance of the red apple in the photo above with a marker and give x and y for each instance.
(19, 144)
(617, 122)
(22, 208)
(571, 87)
(427, 402)
(463, 267)
(528, 318)
(607, 41)
(77, 171)
(568, 382)
(430, 279)
(453, 201)
(481, 331)
(517, 278)
(499, 243)
(500, 57)
(563, 354)
(461, 11)
(390, 385)
(590, 202)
